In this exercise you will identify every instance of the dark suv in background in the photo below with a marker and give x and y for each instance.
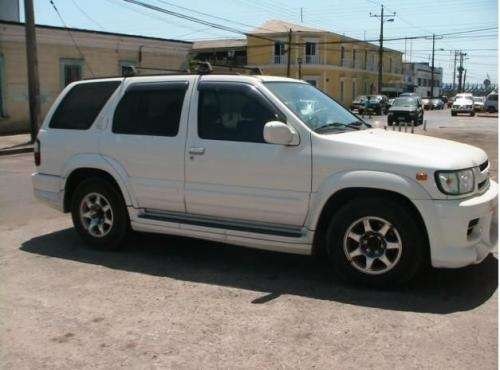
(379, 104)
(406, 109)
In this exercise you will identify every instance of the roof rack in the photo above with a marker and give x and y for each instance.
(201, 68)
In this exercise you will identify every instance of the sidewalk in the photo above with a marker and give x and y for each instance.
(15, 144)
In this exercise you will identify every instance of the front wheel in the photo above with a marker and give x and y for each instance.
(375, 242)
(99, 214)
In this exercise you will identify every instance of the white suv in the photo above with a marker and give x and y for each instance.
(263, 162)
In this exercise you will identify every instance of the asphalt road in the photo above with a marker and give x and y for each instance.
(180, 303)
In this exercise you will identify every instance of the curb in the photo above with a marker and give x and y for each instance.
(16, 151)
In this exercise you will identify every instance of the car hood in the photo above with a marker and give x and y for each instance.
(394, 151)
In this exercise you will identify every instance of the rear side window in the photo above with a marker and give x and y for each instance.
(233, 112)
(150, 109)
(81, 105)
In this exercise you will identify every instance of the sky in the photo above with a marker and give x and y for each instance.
(352, 18)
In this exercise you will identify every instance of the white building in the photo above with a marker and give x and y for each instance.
(418, 77)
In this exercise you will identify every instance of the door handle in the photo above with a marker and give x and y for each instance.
(197, 151)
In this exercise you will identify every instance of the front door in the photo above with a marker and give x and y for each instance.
(231, 173)
(147, 139)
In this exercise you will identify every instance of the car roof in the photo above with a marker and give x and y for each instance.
(206, 77)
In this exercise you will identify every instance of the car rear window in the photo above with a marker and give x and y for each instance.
(81, 105)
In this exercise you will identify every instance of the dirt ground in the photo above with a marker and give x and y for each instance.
(169, 302)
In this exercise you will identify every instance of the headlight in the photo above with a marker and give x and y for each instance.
(455, 182)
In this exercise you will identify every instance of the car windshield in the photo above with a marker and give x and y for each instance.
(405, 102)
(478, 100)
(317, 110)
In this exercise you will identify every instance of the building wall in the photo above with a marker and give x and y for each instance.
(102, 57)
(328, 69)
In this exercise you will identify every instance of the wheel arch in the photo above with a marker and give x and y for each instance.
(345, 195)
(82, 173)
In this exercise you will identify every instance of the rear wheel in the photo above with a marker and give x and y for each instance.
(375, 242)
(472, 114)
(99, 214)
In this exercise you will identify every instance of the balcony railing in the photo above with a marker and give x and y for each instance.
(280, 59)
(346, 63)
(312, 59)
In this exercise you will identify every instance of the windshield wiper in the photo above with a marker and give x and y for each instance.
(359, 123)
(331, 125)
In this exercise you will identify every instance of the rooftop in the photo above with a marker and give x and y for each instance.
(278, 26)
(94, 32)
(220, 44)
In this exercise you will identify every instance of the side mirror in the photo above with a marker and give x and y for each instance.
(276, 132)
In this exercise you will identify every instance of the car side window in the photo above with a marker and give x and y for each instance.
(233, 112)
(152, 109)
(81, 105)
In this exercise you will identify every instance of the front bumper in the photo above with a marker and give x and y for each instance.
(47, 189)
(462, 110)
(453, 242)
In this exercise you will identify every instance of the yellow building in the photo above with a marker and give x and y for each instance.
(340, 66)
(60, 62)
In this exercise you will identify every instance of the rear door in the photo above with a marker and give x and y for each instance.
(147, 139)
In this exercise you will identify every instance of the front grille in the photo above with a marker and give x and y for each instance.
(483, 166)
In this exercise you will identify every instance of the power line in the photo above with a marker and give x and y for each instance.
(208, 15)
(72, 38)
(87, 15)
(194, 19)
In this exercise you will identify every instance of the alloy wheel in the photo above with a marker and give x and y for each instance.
(372, 245)
(96, 214)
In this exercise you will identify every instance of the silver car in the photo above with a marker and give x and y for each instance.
(463, 105)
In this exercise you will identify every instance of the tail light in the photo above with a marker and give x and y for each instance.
(36, 152)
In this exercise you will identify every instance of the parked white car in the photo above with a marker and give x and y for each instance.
(491, 103)
(463, 105)
(237, 159)
(478, 103)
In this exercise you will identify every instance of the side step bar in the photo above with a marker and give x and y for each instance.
(292, 232)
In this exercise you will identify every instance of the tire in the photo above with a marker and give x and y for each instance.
(389, 122)
(453, 114)
(491, 109)
(472, 114)
(107, 208)
(403, 228)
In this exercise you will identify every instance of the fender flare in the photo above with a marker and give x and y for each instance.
(99, 162)
(362, 179)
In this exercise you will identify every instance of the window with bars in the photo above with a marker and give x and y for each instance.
(70, 70)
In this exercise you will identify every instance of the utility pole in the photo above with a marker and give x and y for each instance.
(432, 65)
(460, 71)
(465, 76)
(289, 53)
(32, 59)
(301, 15)
(381, 43)
(454, 70)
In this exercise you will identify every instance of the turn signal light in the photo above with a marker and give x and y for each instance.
(421, 176)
